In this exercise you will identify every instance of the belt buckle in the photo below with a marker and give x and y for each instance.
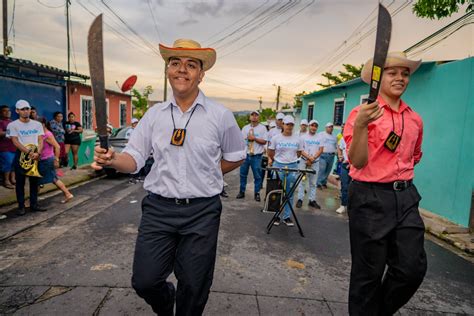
(399, 185)
(181, 201)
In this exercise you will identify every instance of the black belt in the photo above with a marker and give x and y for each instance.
(393, 186)
(180, 201)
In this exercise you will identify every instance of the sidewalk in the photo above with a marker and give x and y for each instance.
(69, 178)
(455, 235)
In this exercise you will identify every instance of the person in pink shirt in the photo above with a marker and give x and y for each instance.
(49, 161)
(384, 139)
(7, 149)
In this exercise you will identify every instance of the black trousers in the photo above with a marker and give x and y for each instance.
(386, 231)
(175, 237)
(20, 185)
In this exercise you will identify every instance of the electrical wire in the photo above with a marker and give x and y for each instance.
(50, 6)
(154, 21)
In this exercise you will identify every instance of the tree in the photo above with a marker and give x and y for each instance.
(351, 72)
(439, 9)
(298, 101)
(140, 101)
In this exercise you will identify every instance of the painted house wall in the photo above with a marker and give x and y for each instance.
(47, 98)
(442, 95)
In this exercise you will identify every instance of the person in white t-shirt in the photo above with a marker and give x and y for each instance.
(312, 150)
(22, 132)
(279, 126)
(303, 127)
(129, 132)
(255, 136)
(284, 151)
(326, 162)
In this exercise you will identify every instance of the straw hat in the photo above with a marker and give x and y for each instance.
(394, 59)
(189, 48)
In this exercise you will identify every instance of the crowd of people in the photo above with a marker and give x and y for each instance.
(303, 149)
(34, 147)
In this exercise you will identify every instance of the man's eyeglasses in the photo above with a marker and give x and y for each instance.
(188, 65)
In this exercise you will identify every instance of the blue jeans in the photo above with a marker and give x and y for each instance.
(290, 179)
(325, 165)
(311, 178)
(345, 180)
(255, 162)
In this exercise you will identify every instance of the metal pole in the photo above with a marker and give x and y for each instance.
(5, 27)
(68, 42)
(278, 98)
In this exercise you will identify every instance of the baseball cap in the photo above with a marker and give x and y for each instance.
(313, 122)
(134, 120)
(272, 124)
(254, 111)
(329, 124)
(280, 116)
(304, 122)
(21, 104)
(288, 119)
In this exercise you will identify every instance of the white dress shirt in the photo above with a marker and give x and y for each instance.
(286, 148)
(259, 131)
(329, 142)
(192, 170)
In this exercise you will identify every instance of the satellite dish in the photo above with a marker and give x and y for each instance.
(129, 83)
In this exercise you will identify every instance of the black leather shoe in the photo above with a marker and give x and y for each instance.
(20, 211)
(38, 208)
(299, 204)
(314, 204)
(241, 195)
(257, 197)
(224, 194)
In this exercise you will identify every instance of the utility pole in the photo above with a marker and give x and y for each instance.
(165, 89)
(5, 27)
(260, 101)
(68, 42)
(278, 98)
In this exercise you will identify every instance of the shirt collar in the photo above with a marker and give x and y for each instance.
(200, 100)
(383, 103)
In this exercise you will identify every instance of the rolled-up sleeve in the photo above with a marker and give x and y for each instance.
(232, 143)
(139, 144)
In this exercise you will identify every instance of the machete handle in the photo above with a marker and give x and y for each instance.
(104, 142)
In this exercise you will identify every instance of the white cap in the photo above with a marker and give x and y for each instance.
(288, 119)
(272, 124)
(134, 120)
(254, 111)
(304, 122)
(21, 104)
(313, 122)
(329, 124)
(280, 116)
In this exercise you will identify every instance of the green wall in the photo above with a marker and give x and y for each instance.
(86, 151)
(442, 95)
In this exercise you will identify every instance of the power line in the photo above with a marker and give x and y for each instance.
(50, 6)
(154, 21)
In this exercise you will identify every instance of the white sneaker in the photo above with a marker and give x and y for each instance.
(341, 209)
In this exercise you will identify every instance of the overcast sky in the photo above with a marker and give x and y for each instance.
(260, 44)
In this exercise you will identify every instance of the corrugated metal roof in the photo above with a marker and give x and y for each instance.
(41, 67)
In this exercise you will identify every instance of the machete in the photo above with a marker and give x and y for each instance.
(96, 67)
(382, 41)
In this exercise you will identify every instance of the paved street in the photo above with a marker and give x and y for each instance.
(76, 260)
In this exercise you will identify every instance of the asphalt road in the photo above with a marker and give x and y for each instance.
(76, 260)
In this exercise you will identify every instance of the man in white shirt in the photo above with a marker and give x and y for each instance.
(329, 141)
(279, 126)
(312, 150)
(129, 132)
(195, 141)
(22, 132)
(255, 135)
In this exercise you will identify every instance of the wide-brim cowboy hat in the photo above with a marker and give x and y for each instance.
(191, 49)
(394, 59)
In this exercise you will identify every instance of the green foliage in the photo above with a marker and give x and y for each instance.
(140, 101)
(351, 72)
(265, 115)
(298, 101)
(440, 8)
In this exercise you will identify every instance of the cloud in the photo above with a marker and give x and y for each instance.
(189, 21)
(205, 8)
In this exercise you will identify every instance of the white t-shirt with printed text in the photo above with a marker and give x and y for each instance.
(27, 133)
(259, 131)
(286, 148)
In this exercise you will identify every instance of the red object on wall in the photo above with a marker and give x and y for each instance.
(129, 83)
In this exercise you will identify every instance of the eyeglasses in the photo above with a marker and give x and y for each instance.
(25, 109)
(188, 65)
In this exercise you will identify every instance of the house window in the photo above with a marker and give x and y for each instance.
(364, 98)
(86, 112)
(123, 113)
(310, 110)
(339, 111)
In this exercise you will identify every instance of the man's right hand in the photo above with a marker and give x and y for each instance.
(368, 113)
(102, 157)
